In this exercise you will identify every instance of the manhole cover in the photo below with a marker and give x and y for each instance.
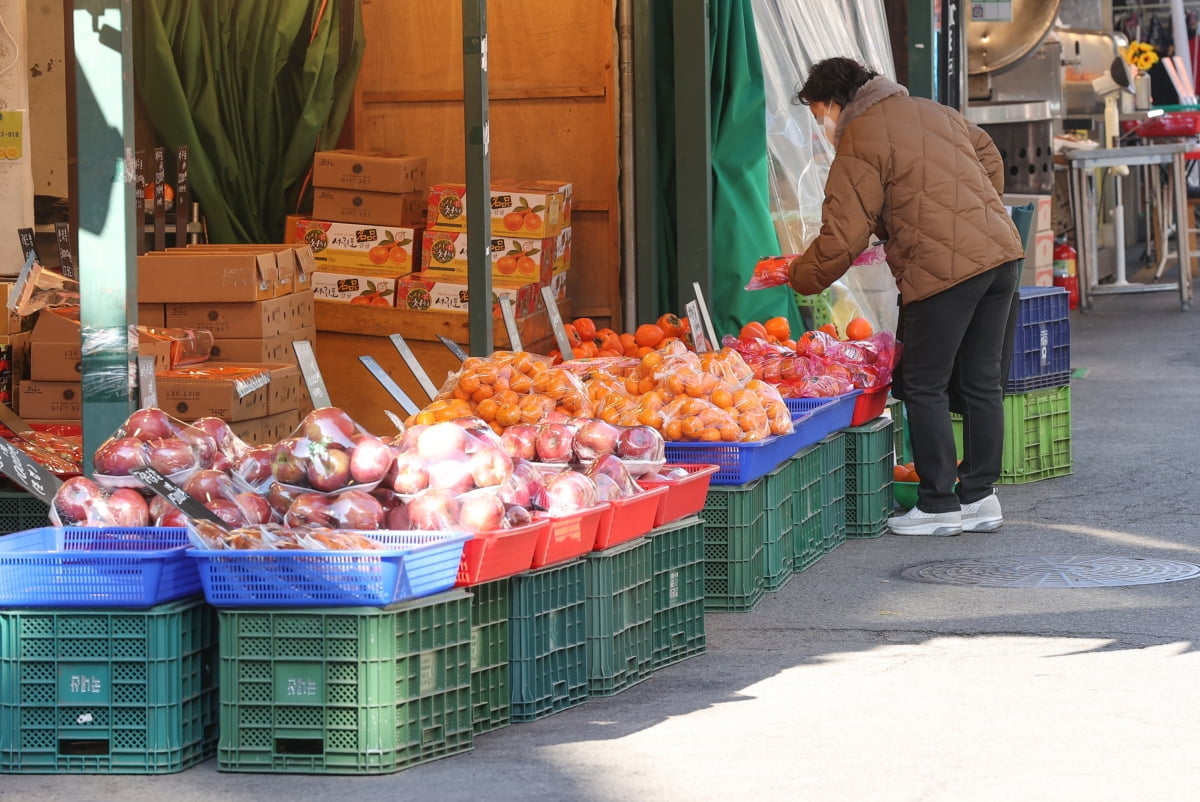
(1052, 572)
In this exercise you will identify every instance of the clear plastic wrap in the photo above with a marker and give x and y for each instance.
(329, 452)
(82, 502)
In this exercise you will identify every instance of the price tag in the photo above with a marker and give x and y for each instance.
(176, 495)
(454, 348)
(418, 371)
(28, 244)
(510, 324)
(389, 384)
(12, 135)
(147, 382)
(699, 338)
(312, 374)
(22, 286)
(66, 262)
(28, 474)
(708, 326)
(556, 324)
(183, 209)
(395, 419)
(160, 200)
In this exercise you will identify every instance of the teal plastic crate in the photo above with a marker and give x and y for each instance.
(108, 691)
(1037, 436)
(547, 652)
(867, 513)
(870, 442)
(815, 310)
(734, 566)
(20, 511)
(777, 546)
(901, 442)
(833, 524)
(620, 614)
(833, 461)
(678, 564)
(491, 706)
(736, 505)
(345, 690)
(810, 535)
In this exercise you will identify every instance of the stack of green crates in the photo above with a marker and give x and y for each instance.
(20, 511)
(108, 691)
(345, 690)
(833, 491)
(734, 550)
(1037, 435)
(678, 585)
(869, 461)
(808, 538)
(547, 653)
(491, 706)
(620, 612)
(777, 527)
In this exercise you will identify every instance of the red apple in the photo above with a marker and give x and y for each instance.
(442, 441)
(170, 455)
(328, 425)
(569, 492)
(117, 456)
(310, 509)
(81, 502)
(150, 424)
(490, 465)
(516, 515)
(554, 443)
(357, 509)
(479, 429)
(370, 460)
(287, 465)
(280, 498)
(255, 509)
(433, 509)
(171, 517)
(227, 442)
(209, 484)
(408, 440)
(607, 488)
(520, 441)
(254, 465)
(612, 468)
(641, 443)
(227, 510)
(481, 511)
(452, 473)
(596, 438)
(412, 474)
(397, 518)
(524, 487)
(128, 508)
(328, 469)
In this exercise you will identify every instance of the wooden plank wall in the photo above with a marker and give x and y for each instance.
(553, 110)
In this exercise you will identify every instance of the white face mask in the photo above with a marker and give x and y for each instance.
(829, 127)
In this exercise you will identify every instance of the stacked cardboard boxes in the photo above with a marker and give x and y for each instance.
(1039, 253)
(256, 300)
(365, 229)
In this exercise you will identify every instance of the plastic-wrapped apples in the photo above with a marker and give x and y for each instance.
(327, 452)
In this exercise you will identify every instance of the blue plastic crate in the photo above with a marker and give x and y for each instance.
(1041, 352)
(412, 564)
(826, 415)
(95, 567)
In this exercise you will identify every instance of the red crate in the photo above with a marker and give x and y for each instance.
(684, 496)
(870, 404)
(568, 536)
(629, 518)
(495, 555)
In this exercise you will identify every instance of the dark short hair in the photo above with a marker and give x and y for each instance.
(834, 80)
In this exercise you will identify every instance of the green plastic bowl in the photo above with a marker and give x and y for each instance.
(905, 494)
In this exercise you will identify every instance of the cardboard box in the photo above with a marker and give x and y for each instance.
(277, 348)
(562, 251)
(9, 323)
(1042, 208)
(232, 392)
(286, 389)
(50, 400)
(293, 261)
(444, 253)
(245, 320)
(207, 276)
(370, 171)
(269, 428)
(528, 208)
(1043, 249)
(1037, 275)
(357, 285)
(52, 361)
(422, 292)
(404, 210)
(353, 245)
(151, 315)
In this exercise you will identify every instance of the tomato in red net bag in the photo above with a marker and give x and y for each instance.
(770, 271)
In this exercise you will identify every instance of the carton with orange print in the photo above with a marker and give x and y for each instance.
(355, 245)
(519, 208)
(520, 260)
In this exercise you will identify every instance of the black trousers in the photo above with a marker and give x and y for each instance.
(957, 348)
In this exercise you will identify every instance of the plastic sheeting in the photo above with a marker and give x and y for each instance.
(793, 35)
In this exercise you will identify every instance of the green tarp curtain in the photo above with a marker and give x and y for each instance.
(253, 88)
(742, 229)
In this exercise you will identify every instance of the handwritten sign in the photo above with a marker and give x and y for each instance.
(313, 379)
(176, 495)
(28, 474)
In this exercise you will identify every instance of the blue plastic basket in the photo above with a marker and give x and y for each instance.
(95, 567)
(1041, 353)
(825, 415)
(412, 564)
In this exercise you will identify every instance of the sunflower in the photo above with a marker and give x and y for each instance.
(1140, 54)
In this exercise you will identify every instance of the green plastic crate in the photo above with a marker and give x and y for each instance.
(816, 310)
(833, 524)
(345, 690)
(20, 511)
(678, 563)
(491, 707)
(867, 513)
(735, 505)
(777, 546)
(108, 691)
(870, 442)
(734, 566)
(1037, 435)
(833, 464)
(901, 442)
(620, 614)
(807, 467)
(810, 534)
(547, 652)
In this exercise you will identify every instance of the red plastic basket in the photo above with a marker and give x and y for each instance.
(495, 555)
(568, 536)
(869, 405)
(628, 518)
(685, 496)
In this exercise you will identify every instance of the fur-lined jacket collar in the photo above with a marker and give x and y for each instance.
(877, 89)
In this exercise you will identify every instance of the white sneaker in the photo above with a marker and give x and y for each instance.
(983, 515)
(918, 522)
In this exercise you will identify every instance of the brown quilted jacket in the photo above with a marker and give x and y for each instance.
(921, 176)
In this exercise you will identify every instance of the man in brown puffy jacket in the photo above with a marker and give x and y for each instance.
(928, 182)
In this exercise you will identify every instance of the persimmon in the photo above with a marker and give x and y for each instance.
(671, 324)
(859, 329)
(901, 474)
(753, 330)
(585, 326)
(831, 330)
(649, 334)
(607, 338)
(573, 338)
(628, 343)
(779, 327)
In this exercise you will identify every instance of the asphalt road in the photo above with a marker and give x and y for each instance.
(852, 683)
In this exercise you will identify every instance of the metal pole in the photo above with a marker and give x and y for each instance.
(643, 212)
(479, 181)
(921, 46)
(103, 36)
(693, 151)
